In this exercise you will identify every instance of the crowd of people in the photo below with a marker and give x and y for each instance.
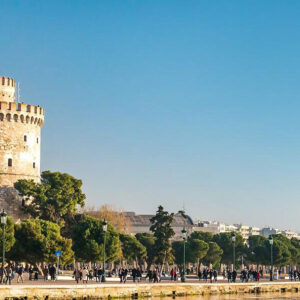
(88, 273)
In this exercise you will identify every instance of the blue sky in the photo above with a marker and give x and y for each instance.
(192, 103)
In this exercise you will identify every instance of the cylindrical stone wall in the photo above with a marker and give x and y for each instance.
(20, 142)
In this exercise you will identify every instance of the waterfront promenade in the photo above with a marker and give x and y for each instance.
(69, 290)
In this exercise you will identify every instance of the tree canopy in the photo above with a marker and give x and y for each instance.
(88, 241)
(54, 199)
(37, 241)
(132, 249)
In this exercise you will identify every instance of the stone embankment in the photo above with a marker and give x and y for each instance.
(142, 290)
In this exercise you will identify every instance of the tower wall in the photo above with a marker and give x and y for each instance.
(20, 142)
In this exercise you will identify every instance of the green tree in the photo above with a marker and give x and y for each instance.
(202, 235)
(177, 249)
(224, 240)
(37, 241)
(88, 241)
(9, 235)
(54, 199)
(258, 251)
(163, 232)
(197, 250)
(214, 254)
(148, 240)
(132, 249)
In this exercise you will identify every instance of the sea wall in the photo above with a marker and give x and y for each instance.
(141, 290)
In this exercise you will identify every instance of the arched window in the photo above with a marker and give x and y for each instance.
(9, 163)
(33, 165)
(25, 138)
(37, 140)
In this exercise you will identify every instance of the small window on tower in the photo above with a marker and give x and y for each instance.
(10, 162)
(25, 138)
(33, 165)
(37, 140)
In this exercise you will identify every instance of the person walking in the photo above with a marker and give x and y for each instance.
(85, 275)
(100, 274)
(45, 272)
(52, 272)
(36, 273)
(20, 271)
(121, 270)
(76, 275)
(9, 275)
(215, 273)
(30, 271)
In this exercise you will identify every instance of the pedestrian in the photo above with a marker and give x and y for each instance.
(199, 274)
(30, 271)
(52, 272)
(45, 272)
(234, 274)
(76, 275)
(100, 274)
(124, 275)
(20, 271)
(85, 274)
(139, 274)
(215, 273)
(134, 274)
(9, 275)
(121, 275)
(36, 273)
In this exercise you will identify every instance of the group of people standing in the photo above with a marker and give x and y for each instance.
(86, 274)
(208, 274)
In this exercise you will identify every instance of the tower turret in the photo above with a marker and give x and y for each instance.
(7, 89)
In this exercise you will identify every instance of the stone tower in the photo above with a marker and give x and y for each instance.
(20, 137)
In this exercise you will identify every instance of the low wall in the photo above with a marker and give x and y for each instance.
(140, 290)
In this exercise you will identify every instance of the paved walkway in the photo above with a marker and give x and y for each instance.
(115, 280)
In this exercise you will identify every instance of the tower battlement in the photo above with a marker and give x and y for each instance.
(7, 89)
(21, 112)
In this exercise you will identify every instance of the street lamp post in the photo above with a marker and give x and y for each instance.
(233, 237)
(271, 244)
(184, 239)
(3, 217)
(104, 228)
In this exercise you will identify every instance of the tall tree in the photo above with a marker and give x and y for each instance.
(163, 232)
(54, 199)
(37, 241)
(197, 250)
(88, 241)
(213, 255)
(258, 251)
(148, 240)
(9, 235)
(132, 249)
(224, 240)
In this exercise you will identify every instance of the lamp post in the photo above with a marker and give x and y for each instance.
(104, 228)
(3, 217)
(233, 237)
(184, 239)
(271, 241)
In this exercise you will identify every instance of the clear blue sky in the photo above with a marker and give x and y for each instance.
(166, 102)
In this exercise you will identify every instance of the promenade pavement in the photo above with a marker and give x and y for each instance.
(70, 281)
